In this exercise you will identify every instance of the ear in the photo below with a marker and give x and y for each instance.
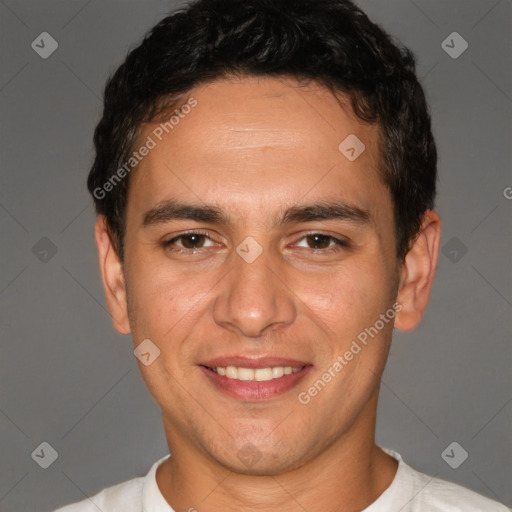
(112, 276)
(417, 273)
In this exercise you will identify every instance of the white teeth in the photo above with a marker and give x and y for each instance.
(262, 374)
(231, 372)
(277, 372)
(258, 374)
(245, 374)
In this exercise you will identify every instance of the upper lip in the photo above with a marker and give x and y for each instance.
(252, 362)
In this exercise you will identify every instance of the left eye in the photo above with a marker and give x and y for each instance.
(189, 241)
(321, 241)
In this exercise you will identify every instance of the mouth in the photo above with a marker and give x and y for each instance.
(255, 380)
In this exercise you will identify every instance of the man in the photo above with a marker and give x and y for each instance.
(264, 179)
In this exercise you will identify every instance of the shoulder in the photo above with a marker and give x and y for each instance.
(126, 496)
(414, 491)
(439, 495)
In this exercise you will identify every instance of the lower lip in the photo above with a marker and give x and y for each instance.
(255, 390)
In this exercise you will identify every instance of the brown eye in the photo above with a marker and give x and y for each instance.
(192, 240)
(188, 241)
(322, 243)
(319, 241)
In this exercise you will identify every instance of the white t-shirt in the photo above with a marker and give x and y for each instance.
(410, 491)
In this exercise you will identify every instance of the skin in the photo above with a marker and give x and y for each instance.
(254, 147)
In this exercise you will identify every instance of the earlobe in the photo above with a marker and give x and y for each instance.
(417, 273)
(112, 276)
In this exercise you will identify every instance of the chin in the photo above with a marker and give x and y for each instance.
(270, 461)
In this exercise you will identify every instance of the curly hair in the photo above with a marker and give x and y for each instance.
(331, 42)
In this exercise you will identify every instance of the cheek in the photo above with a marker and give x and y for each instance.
(161, 299)
(350, 298)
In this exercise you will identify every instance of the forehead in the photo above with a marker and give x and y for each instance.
(247, 137)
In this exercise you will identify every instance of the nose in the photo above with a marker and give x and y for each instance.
(254, 299)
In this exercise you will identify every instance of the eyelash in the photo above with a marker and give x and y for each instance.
(340, 244)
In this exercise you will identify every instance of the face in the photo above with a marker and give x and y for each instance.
(253, 244)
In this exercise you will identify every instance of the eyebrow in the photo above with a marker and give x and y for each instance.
(326, 210)
(171, 210)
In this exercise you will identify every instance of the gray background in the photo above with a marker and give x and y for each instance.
(68, 379)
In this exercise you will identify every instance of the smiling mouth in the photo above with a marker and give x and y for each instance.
(254, 374)
(255, 384)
